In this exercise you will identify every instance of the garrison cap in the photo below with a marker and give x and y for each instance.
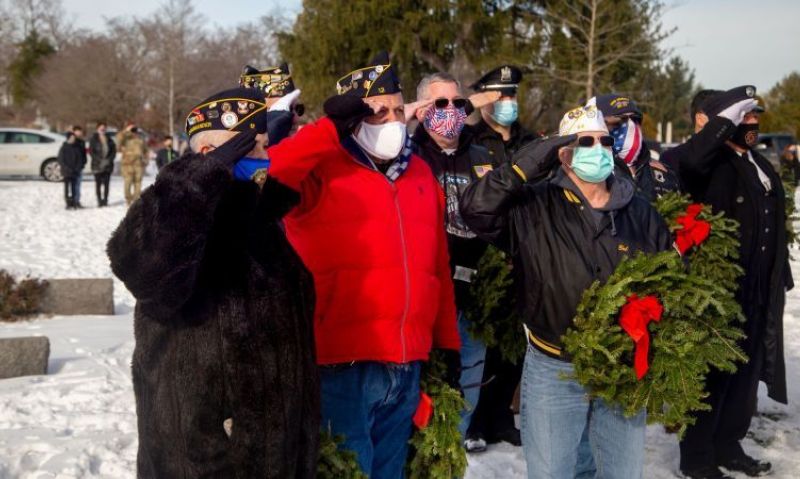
(238, 109)
(275, 82)
(720, 101)
(504, 79)
(379, 77)
(614, 104)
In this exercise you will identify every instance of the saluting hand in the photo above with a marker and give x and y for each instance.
(234, 149)
(539, 157)
(410, 109)
(480, 100)
(346, 112)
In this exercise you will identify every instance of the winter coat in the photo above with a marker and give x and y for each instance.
(223, 328)
(71, 159)
(715, 174)
(499, 150)
(102, 163)
(376, 248)
(455, 172)
(559, 244)
(165, 156)
(653, 178)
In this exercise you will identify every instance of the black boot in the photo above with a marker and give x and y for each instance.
(748, 465)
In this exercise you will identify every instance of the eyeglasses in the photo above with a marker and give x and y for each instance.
(605, 140)
(442, 103)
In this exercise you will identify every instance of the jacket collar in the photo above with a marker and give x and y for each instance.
(621, 189)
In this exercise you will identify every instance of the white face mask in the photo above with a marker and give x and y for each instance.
(383, 141)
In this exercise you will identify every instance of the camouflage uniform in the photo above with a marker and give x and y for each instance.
(134, 160)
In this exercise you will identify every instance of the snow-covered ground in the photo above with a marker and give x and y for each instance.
(80, 421)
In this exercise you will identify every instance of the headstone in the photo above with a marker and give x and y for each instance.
(23, 356)
(79, 296)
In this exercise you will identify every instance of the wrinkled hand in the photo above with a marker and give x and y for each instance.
(541, 156)
(346, 112)
(234, 149)
(286, 102)
(411, 109)
(738, 110)
(452, 374)
(480, 100)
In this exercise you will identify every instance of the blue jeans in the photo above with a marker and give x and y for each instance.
(565, 434)
(372, 405)
(77, 184)
(473, 355)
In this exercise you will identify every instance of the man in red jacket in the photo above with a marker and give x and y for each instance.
(369, 227)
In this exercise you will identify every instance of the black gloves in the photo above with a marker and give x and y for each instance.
(234, 149)
(536, 159)
(279, 124)
(346, 112)
(452, 373)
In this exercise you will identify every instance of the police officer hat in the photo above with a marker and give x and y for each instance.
(504, 79)
(378, 78)
(614, 104)
(720, 101)
(238, 109)
(275, 82)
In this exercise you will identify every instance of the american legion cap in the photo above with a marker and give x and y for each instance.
(379, 77)
(275, 82)
(238, 109)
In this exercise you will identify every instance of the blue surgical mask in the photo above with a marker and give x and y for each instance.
(247, 167)
(505, 112)
(592, 164)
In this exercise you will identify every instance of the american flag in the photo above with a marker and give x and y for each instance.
(628, 141)
(444, 121)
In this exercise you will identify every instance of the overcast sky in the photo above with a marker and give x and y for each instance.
(727, 42)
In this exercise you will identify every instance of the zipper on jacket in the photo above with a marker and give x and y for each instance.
(405, 268)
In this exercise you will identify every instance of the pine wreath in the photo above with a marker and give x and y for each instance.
(334, 462)
(492, 313)
(697, 330)
(436, 451)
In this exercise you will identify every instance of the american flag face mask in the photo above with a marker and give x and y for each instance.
(446, 122)
(627, 141)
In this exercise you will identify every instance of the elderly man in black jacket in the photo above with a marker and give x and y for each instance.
(564, 233)
(223, 319)
(719, 167)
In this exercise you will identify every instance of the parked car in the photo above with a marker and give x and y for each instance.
(27, 152)
(771, 145)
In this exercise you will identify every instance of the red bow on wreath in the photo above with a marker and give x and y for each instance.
(634, 317)
(422, 416)
(694, 231)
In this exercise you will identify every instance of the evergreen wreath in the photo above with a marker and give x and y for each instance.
(697, 329)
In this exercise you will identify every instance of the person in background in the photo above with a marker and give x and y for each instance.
(134, 160)
(77, 130)
(103, 150)
(167, 154)
(500, 132)
(70, 161)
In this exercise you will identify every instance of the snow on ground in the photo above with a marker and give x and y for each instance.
(79, 421)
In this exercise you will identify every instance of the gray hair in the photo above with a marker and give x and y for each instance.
(422, 87)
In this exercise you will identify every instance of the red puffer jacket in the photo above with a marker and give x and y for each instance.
(377, 250)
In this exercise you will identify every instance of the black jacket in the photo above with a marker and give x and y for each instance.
(500, 151)
(455, 172)
(654, 178)
(559, 244)
(71, 158)
(715, 174)
(223, 328)
(165, 156)
(100, 163)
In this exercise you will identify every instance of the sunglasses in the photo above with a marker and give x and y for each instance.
(441, 103)
(587, 141)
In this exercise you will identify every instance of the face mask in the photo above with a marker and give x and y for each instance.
(627, 142)
(246, 168)
(746, 135)
(505, 112)
(592, 164)
(383, 141)
(447, 122)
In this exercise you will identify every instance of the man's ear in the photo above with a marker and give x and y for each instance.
(420, 114)
(700, 119)
(565, 156)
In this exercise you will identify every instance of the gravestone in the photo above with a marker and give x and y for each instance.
(78, 296)
(26, 356)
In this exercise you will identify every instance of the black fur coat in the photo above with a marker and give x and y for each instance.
(223, 327)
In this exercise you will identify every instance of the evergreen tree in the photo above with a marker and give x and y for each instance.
(26, 65)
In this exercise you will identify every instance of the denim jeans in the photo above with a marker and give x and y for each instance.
(372, 405)
(77, 194)
(473, 354)
(565, 434)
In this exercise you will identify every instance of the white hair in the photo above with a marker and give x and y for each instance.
(443, 77)
(208, 138)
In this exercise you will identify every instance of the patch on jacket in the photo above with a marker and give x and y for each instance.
(481, 170)
(623, 248)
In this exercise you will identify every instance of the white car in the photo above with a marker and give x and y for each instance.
(26, 152)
